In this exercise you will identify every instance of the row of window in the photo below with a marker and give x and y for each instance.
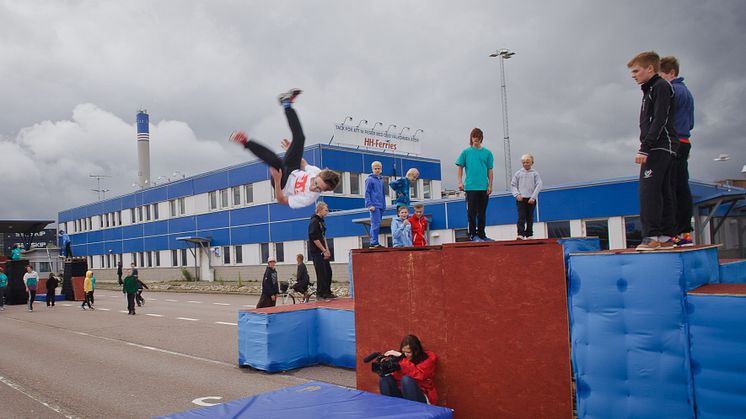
(232, 196)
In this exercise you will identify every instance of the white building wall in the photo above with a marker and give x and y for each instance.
(441, 237)
(617, 239)
(262, 192)
(342, 247)
(292, 249)
(577, 228)
(436, 188)
(198, 204)
(252, 254)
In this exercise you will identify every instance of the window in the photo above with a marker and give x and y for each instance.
(223, 198)
(157, 258)
(461, 234)
(558, 229)
(354, 183)
(172, 208)
(264, 252)
(340, 186)
(174, 258)
(155, 211)
(236, 195)
(134, 258)
(280, 252)
(132, 216)
(183, 257)
(150, 259)
(364, 242)
(600, 229)
(633, 231)
(43, 267)
(239, 254)
(213, 198)
(147, 212)
(119, 217)
(103, 263)
(248, 191)
(226, 255)
(108, 261)
(427, 189)
(106, 220)
(182, 206)
(139, 213)
(414, 191)
(142, 259)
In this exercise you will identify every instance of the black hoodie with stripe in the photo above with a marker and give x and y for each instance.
(657, 130)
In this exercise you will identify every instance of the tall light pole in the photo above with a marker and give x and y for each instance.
(98, 189)
(504, 54)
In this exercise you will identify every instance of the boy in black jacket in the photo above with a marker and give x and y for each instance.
(270, 288)
(52, 284)
(658, 146)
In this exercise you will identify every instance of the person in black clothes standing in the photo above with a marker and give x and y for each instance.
(270, 288)
(302, 281)
(119, 272)
(318, 250)
(52, 284)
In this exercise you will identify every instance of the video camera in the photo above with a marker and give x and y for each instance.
(383, 365)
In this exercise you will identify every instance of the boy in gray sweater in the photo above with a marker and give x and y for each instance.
(526, 185)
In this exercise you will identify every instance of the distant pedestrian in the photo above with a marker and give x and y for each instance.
(119, 273)
(93, 287)
(402, 187)
(401, 230)
(129, 287)
(3, 288)
(302, 280)
(87, 290)
(526, 185)
(138, 297)
(31, 280)
(375, 201)
(270, 287)
(51, 285)
(133, 268)
(477, 161)
(419, 225)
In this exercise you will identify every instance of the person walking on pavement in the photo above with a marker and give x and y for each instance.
(130, 288)
(52, 284)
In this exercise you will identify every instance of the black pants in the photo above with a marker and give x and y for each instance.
(131, 302)
(682, 196)
(266, 301)
(525, 217)
(656, 200)
(476, 212)
(323, 270)
(31, 298)
(92, 297)
(50, 298)
(119, 278)
(293, 155)
(68, 251)
(3, 291)
(87, 299)
(138, 297)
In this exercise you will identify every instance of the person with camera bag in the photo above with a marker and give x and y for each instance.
(415, 379)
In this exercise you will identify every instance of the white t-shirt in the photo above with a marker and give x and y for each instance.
(298, 187)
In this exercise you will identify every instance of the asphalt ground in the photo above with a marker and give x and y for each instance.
(178, 348)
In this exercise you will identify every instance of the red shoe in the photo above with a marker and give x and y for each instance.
(239, 137)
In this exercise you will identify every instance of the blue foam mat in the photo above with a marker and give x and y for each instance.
(717, 327)
(733, 272)
(629, 331)
(317, 400)
(294, 339)
(43, 297)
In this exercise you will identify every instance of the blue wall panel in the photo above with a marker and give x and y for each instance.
(95, 236)
(182, 224)
(212, 220)
(590, 202)
(134, 245)
(211, 182)
(112, 205)
(155, 228)
(132, 231)
(132, 200)
(279, 212)
(180, 244)
(218, 237)
(337, 203)
(387, 164)
(250, 173)
(250, 234)
(289, 230)
(155, 194)
(155, 243)
(113, 233)
(344, 161)
(96, 248)
(180, 189)
(113, 246)
(457, 214)
(249, 215)
(438, 216)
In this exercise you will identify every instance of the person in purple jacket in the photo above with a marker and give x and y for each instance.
(375, 201)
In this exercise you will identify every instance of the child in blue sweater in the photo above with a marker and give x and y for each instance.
(401, 187)
(401, 230)
(375, 201)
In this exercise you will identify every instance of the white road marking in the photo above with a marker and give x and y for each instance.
(195, 302)
(172, 301)
(201, 401)
(227, 323)
(27, 393)
(188, 318)
(152, 299)
(103, 309)
(154, 315)
(123, 311)
(66, 305)
(250, 305)
(221, 304)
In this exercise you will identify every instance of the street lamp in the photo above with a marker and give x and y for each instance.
(504, 54)
(390, 126)
(376, 124)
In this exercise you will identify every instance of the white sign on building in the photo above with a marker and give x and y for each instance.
(375, 140)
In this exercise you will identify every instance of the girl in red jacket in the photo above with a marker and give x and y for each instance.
(416, 379)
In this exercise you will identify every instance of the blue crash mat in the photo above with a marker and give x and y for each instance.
(317, 400)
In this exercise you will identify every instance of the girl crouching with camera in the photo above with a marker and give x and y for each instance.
(416, 378)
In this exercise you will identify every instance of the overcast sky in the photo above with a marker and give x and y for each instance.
(74, 73)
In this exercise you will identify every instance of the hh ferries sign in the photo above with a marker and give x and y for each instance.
(375, 140)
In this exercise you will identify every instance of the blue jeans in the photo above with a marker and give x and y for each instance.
(375, 225)
(409, 388)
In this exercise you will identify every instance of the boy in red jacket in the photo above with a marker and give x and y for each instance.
(419, 225)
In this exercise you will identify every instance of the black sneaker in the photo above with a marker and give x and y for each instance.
(289, 96)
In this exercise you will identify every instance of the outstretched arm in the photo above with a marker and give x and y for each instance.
(277, 178)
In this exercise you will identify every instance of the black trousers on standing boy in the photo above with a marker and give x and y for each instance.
(656, 200)
(131, 302)
(682, 195)
(525, 217)
(476, 212)
(323, 270)
(293, 155)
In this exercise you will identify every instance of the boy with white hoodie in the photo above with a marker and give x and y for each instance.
(526, 185)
